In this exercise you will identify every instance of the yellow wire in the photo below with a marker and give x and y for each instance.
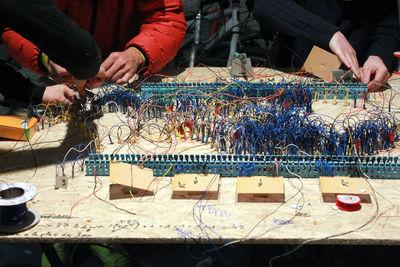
(130, 192)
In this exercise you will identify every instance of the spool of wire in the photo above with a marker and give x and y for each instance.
(14, 214)
(348, 202)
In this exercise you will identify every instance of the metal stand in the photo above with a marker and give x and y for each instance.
(239, 64)
(197, 31)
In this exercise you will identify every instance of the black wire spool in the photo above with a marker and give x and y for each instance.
(14, 215)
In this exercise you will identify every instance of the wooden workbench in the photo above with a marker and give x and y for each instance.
(159, 219)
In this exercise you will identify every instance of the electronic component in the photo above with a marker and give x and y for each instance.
(260, 165)
(17, 128)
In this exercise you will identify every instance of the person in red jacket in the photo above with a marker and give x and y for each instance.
(132, 34)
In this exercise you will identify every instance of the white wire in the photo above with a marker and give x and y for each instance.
(372, 220)
(79, 151)
(246, 237)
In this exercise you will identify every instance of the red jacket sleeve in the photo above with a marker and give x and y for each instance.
(162, 31)
(21, 49)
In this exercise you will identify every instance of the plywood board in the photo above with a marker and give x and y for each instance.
(160, 219)
(332, 186)
(260, 189)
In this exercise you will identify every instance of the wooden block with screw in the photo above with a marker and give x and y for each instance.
(260, 189)
(130, 181)
(194, 186)
(332, 186)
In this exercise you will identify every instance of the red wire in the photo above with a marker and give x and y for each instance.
(82, 199)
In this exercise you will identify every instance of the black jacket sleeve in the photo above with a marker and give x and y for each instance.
(54, 33)
(384, 35)
(17, 87)
(288, 17)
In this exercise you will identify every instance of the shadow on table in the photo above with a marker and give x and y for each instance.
(40, 153)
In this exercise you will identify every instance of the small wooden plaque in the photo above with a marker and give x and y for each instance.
(332, 186)
(260, 189)
(127, 180)
(61, 182)
(193, 186)
(321, 63)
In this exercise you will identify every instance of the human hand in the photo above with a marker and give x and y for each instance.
(343, 49)
(59, 72)
(376, 69)
(57, 94)
(93, 82)
(62, 75)
(97, 80)
(121, 66)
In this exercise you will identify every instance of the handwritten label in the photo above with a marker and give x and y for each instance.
(282, 222)
(57, 227)
(303, 214)
(53, 216)
(187, 234)
(217, 212)
(125, 224)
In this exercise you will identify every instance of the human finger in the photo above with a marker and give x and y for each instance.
(69, 94)
(381, 77)
(80, 87)
(113, 70)
(97, 80)
(125, 78)
(121, 73)
(345, 60)
(107, 63)
(94, 82)
(355, 67)
(366, 74)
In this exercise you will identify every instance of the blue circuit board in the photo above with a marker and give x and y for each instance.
(253, 165)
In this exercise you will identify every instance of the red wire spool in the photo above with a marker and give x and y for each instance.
(348, 202)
